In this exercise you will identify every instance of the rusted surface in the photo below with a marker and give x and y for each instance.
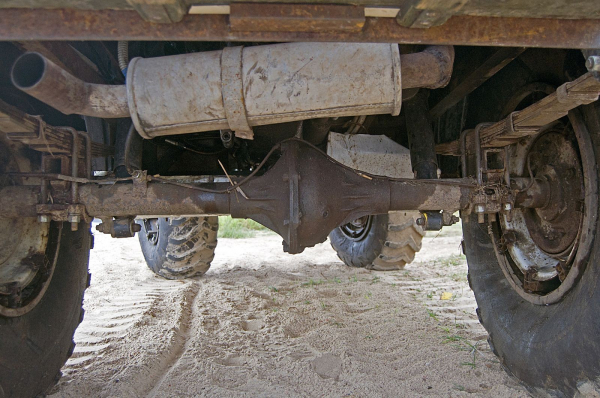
(294, 198)
(431, 68)
(555, 223)
(63, 55)
(531, 195)
(262, 17)
(168, 10)
(43, 79)
(63, 24)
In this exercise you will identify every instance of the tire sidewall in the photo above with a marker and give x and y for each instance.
(185, 246)
(156, 254)
(34, 347)
(361, 253)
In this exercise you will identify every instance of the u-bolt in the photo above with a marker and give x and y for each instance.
(463, 150)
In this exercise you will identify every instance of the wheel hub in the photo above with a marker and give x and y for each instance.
(555, 225)
(27, 252)
(540, 244)
(151, 229)
(358, 229)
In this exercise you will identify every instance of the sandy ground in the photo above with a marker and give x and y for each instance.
(265, 323)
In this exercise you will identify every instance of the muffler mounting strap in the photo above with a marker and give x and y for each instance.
(232, 91)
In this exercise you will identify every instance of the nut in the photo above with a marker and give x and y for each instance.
(593, 63)
(74, 218)
(44, 218)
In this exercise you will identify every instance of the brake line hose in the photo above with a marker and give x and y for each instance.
(123, 56)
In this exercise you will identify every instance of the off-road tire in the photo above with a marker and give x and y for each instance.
(552, 348)
(185, 246)
(34, 346)
(391, 242)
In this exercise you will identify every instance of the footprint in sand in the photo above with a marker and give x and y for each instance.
(252, 325)
(328, 366)
(232, 360)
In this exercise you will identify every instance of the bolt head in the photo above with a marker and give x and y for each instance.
(480, 209)
(74, 218)
(593, 63)
(507, 207)
(44, 218)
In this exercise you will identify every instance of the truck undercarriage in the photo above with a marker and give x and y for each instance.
(347, 113)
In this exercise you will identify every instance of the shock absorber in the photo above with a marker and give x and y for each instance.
(422, 153)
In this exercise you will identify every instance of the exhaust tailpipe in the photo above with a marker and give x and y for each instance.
(241, 87)
(43, 79)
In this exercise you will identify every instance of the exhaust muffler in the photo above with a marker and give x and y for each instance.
(241, 87)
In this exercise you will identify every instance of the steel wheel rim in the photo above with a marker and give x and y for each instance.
(575, 260)
(358, 229)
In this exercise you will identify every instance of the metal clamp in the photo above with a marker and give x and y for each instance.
(140, 182)
(565, 96)
(28, 135)
(512, 128)
(232, 91)
(463, 145)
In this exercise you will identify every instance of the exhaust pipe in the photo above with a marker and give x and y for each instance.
(241, 87)
(43, 79)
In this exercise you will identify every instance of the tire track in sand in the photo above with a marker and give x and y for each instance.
(104, 326)
(178, 347)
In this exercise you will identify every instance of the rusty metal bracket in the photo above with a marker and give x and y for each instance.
(64, 212)
(140, 182)
(513, 129)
